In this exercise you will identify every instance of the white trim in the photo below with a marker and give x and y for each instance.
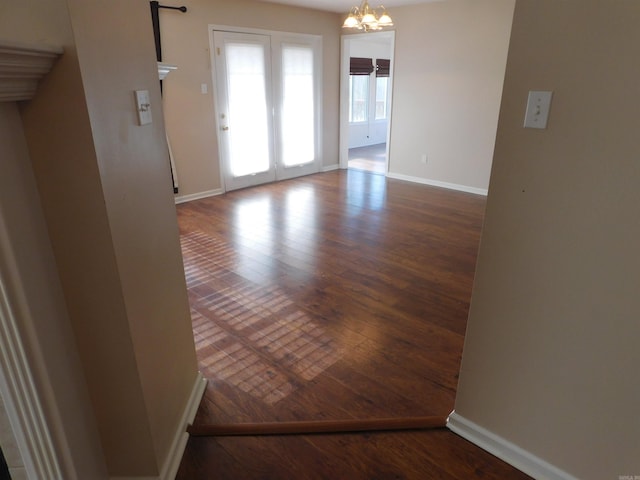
(20, 397)
(21, 67)
(198, 196)
(437, 183)
(505, 450)
(172, 463)
(258, 31)
(170, 468)
(330, 168)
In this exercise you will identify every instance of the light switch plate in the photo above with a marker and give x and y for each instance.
(143, 106)
(538, 106)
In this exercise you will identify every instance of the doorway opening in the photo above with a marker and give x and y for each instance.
(365, 116)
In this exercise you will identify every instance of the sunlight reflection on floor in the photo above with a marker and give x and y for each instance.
(252, 336)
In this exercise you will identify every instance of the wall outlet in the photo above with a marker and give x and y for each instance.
(423, 158)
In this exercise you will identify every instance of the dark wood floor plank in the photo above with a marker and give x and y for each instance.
(336, 296)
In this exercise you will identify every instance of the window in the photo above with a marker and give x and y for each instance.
(359, 95)
(368, 99)
(360, 70)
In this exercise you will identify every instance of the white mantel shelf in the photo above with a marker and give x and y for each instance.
(21, 67)
(164, 69)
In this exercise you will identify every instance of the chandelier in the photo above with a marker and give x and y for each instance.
(368, 19)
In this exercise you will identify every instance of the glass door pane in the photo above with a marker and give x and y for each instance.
(298, 112)
(358, 98)
(381, 97)
(248, 114)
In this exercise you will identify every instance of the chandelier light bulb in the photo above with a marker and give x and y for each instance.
(368, 19)
(385, 20)
(350, 22)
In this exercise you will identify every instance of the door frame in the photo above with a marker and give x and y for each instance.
(346, 41)
(22, 401)
(278, 36)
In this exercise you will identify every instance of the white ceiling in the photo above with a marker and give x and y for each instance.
(343, 6)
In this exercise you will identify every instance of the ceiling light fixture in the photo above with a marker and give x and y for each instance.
(368, 19)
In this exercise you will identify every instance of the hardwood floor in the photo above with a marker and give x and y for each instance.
(371, 158)
(341, 295)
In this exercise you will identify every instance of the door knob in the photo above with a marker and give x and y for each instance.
(225, 128)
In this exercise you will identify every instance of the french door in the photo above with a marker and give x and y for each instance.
(267, 106)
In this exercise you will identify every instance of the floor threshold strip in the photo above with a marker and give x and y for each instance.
(315, 427)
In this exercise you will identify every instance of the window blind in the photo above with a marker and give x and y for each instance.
(361, 66)
(383, 66)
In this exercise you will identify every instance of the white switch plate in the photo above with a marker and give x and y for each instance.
(143, 106)
(538, 106)
(204, 88)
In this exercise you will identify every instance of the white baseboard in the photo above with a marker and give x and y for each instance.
(172, 463)
(437, 183)
(170, 467)
(505, 450)
(330, 168)
(197, 196)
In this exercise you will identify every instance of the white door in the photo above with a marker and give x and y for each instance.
(243, 70)
(296, 81)
(268, 106)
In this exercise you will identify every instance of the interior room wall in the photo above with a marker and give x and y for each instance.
(190, 115)
(105, 189)
(135, 177)
(449, 68)
(551, 355)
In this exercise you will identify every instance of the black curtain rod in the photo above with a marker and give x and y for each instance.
(182, 9)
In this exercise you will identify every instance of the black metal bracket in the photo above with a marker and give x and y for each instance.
(155, 18)
(182, 9)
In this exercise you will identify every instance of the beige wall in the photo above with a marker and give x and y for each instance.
(106, 193)
(190, 115)
(135, 177)
(449, 68)
(28, 272)
(551, 355)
